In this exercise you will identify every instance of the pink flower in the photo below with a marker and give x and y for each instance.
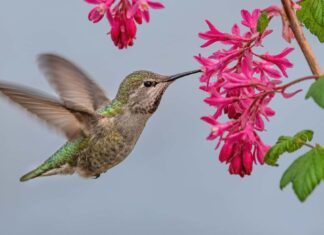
(240, 84)
(280, 60)
(239, 155)
(275, 10)
(261, 149)
(123, 31)
(98, 12)
(242, 150)
(266, 68)
(214, 35)
(141, 8)
(250, 20)
(122, 17)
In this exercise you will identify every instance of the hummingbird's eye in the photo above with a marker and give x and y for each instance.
(149, 83)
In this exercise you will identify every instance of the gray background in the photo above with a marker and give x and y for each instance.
(172, 183)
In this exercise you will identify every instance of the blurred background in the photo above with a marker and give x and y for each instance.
(172, 183)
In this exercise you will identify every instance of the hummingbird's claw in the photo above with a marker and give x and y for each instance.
(97, 176)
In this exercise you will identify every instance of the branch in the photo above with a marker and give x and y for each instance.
(299, 35)
(284, 87)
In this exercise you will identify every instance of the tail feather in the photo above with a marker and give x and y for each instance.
(44, 170)
(34, 173)
(60, 162)
(31, 175)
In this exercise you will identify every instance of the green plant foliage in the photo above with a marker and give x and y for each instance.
(312, 15)
(316, 91)
(305, 173)
(263, 22)
(287, 144)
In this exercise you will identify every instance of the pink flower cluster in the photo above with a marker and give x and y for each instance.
(240, 83)
(122, 17)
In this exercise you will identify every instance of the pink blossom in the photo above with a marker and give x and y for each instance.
(275, 10)
(98, 12)
(123, 31)
(250, 20)
(141, 8)
(280, 60)
(267, 68)
(214, 35)
(240, 84)
(122, 17)
(261, 149)
(238, 155)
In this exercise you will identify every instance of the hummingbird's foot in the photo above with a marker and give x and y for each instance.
(97, 176)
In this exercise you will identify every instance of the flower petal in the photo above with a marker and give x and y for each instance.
(155, 5)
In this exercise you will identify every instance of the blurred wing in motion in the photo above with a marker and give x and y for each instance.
(75, 88)
(71, 122)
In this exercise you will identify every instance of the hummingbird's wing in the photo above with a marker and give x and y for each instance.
(72, 123)
(75, 88)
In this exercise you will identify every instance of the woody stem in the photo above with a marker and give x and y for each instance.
(300, 37)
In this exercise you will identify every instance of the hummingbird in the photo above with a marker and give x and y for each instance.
(100, 132)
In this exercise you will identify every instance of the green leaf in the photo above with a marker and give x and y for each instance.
(316, 91)
(287, 144)
(312, 15)
(263, 22)
(305, 173)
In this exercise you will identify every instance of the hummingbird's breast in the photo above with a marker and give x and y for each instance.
(112, 141)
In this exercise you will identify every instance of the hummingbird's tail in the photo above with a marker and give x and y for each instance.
(44, 170)
(60, 162)
(32, 174)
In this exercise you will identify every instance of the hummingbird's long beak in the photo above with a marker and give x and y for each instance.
(180, 75)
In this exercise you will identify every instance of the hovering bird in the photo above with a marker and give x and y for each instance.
(101, 132)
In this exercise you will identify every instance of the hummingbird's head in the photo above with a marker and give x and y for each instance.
(143, 90)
